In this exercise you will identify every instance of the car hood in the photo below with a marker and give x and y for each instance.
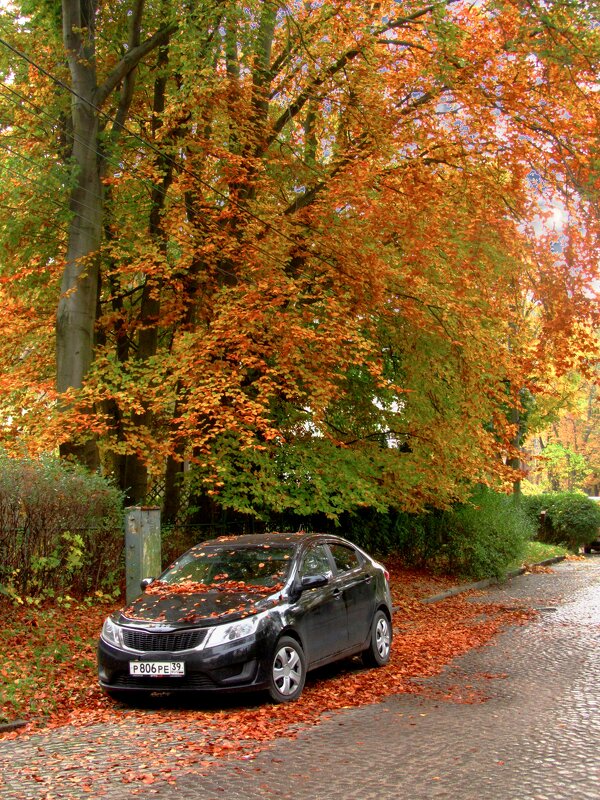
(205, 608)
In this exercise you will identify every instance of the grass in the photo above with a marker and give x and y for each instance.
(539, 551)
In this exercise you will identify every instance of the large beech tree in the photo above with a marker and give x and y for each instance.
(77, 304)
(318, 251)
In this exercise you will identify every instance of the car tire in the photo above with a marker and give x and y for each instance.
(287, 671)
(380, 642)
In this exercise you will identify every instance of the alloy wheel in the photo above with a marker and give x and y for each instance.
(287, 670)
(382, 638)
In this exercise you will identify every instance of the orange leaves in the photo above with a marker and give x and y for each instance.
(192, 587)
(378, 203)
(64, 691)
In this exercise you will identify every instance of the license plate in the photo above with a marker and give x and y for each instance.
(157, 669)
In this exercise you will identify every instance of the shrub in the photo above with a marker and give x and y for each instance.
(571, 519)
(485, 537)
(480, 539)
(60, 528)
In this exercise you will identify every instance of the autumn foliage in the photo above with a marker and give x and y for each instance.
(335, 243)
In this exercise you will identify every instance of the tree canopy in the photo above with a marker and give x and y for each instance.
(314, 252)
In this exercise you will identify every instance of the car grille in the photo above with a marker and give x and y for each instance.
(146, 642)
(166, 684)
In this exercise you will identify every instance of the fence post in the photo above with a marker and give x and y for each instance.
(142, 547)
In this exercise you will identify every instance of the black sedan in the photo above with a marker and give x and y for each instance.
(249, 612)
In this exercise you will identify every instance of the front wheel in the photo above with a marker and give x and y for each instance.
(288, 671)
(378, 652)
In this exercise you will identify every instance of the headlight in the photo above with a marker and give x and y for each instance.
(221, 634)
(112, 633)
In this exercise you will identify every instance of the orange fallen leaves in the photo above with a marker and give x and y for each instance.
(427, 637)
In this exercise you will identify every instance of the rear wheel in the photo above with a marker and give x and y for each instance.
(378, 652)
(288, 671)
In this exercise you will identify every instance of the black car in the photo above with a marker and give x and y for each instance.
(249, 612)
(590, 547)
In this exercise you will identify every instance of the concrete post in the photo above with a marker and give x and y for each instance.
(142, 547)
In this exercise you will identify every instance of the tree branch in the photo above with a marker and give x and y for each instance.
(130, 61)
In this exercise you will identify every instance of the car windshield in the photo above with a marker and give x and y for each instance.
(261, 565)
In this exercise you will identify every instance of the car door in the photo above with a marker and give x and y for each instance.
(322, 610)
(358, 590)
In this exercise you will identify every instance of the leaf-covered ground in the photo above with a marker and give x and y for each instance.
(48, 672)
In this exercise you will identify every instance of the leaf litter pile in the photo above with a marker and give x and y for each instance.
(48, 678)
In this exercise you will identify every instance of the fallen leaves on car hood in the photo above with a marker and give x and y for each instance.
(198, 603)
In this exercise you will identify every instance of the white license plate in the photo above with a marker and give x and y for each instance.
(156, 669)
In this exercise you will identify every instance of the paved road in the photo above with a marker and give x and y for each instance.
(535, 737)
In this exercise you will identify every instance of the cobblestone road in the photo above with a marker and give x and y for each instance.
(536, 736)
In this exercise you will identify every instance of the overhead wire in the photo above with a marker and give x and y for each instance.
(52, 199)
(180, 166)
(110, 159)
(123, 162)
(150, 185)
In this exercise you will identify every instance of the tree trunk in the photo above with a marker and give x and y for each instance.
(515, 461)
(76, 314)
(77, 306)
(136, 470)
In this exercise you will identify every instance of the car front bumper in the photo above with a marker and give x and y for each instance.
(231, 667)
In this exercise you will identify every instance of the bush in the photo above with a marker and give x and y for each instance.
(481, 539)
(60, 529)
(571, 519)
(485, 537)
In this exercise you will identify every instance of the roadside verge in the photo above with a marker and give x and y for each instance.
(489, 581)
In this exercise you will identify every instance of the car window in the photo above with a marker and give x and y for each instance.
(346, 558)
(255, 566)
(315, 562)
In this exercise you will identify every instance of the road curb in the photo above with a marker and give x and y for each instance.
(489, 581)
(5, 727)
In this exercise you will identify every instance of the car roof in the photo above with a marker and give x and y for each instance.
(273, 538)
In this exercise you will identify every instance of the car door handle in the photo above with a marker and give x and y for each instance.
(337, 592)
(366, 579)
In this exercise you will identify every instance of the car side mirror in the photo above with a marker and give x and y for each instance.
(145, 582)
(313, 581)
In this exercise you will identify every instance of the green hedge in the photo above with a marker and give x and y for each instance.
(566, 518)
(484, 538)
(480, 539)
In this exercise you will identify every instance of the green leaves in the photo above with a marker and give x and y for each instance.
(303, 477)
(327, 265)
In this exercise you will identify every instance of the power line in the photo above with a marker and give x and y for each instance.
(119, 163)
(186, 170)
(154, 187)
(212, 227)
(25, 178)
